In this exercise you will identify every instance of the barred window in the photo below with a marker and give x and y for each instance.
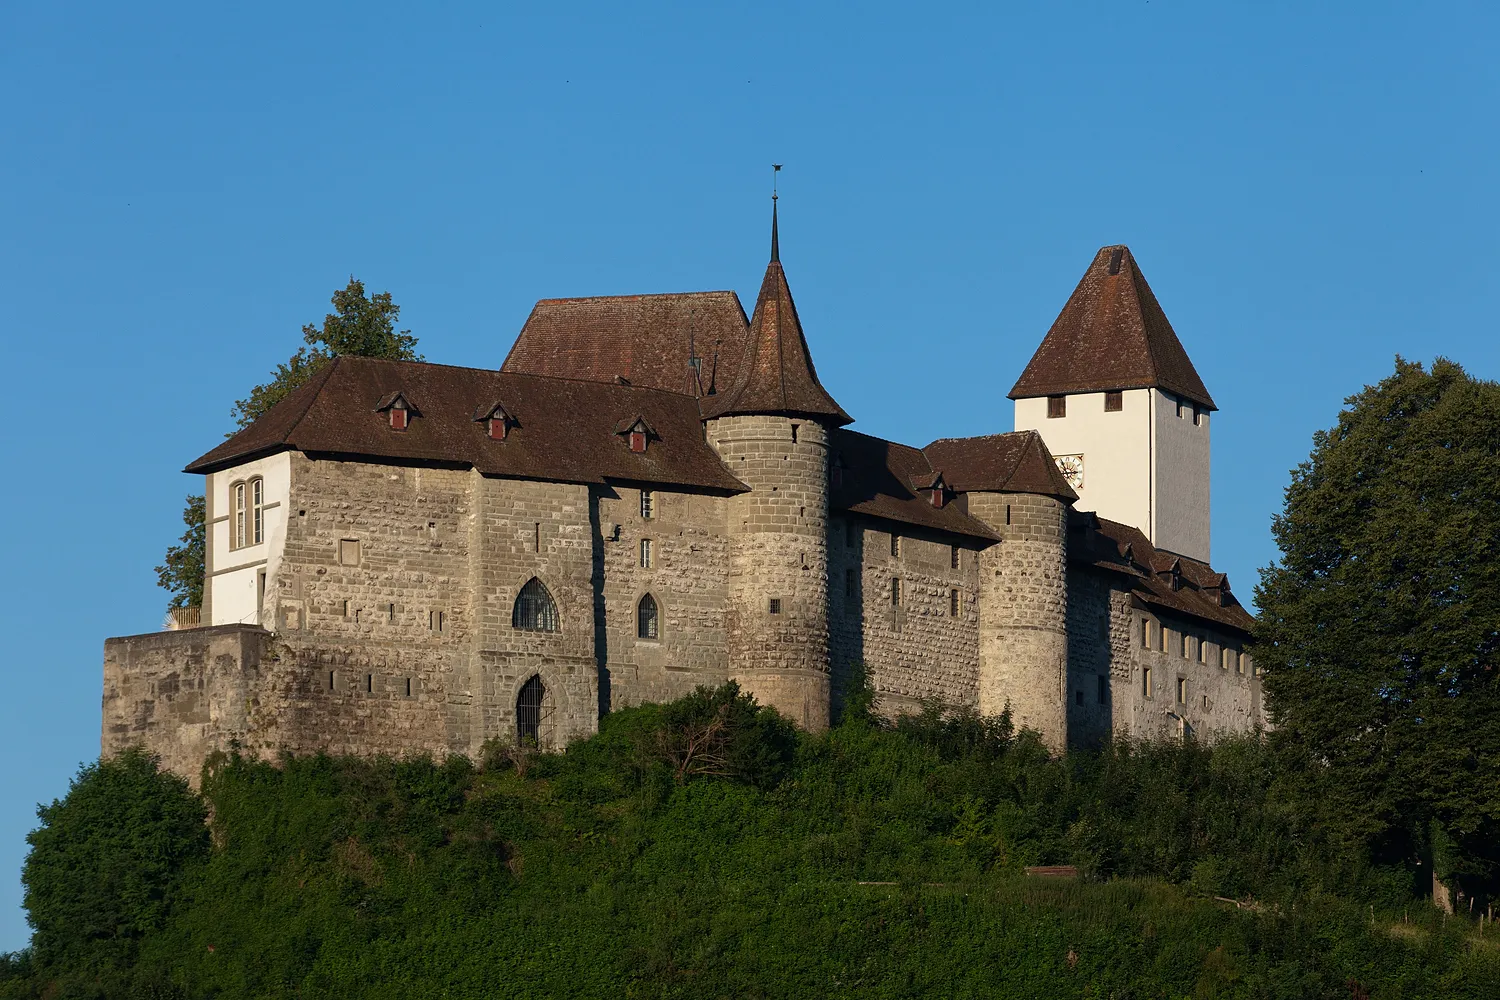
(529, 710)
(535, 610)
(647, 619)
(648, 505)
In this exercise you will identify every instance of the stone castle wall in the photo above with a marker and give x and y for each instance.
(389, 616)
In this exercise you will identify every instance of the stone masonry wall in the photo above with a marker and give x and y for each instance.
(1023, 598)
(915, 649)
(689, 580)
(778, 551)
(1220, 688)
(1099, 654)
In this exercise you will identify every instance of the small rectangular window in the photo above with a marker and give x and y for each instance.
(648, 505)
(1057, 406)
(1202, 650)
(1114, 402)
(333, 680)
(775, 605)
(349, 551)
(408, 687)
(645, 553)
(848, 583)
(1187, 645)
(895, 592)
(1182, 690)
(1197, 415)
(1161, 638)
(850, 534)
(895, 544)
(1145, 682)
(1078, 697)
(955, 557)
(390, 611)
(1103, 682)
(1181, 409)
(369, 683)
(1145, 633)
(437, 621)
(955, 603)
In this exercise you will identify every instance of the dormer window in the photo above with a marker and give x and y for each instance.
(497, 428)
(637, 433)
(398, 410)
(937, 496)
(497, 422)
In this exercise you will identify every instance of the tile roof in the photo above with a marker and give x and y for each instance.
(1018, 462)
(645, 339)
(776, 374)
(561, 430)
(1120, 548)
(1111, 335)
(877, 480)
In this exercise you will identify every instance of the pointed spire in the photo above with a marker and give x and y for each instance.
(1111, 335)
(776, 375)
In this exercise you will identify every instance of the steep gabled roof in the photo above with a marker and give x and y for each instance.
(1111, 335)
(1120, 548)
(1018, 462)
(878, 478)
(564, 430)
(648, 340)
(777, 374)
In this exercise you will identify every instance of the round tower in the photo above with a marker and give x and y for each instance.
(778, 561)
(771, 428)
(1023, 609)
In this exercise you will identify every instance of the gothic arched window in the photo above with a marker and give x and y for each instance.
(535, 611)
(529, 711)
(647, 619)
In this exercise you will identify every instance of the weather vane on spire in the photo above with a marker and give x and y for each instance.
(775, 241)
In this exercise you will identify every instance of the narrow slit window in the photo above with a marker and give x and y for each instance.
(645, 553)
(955, 557)
(648, 505)
(1145, 682)
(954, 603)
(895, 592)
(895, 544)
(1103, 682)
(848, 583)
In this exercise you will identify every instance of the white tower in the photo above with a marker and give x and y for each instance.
(1122, 409)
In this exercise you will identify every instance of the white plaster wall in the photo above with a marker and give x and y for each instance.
(1116, 450)
(1180, 486)
(233, 572)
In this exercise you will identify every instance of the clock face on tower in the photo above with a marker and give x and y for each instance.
(1071, 466)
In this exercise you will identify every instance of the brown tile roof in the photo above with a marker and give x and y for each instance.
(644, 339)
(1018, 462)
(1202, 592)
(877, 478)
(1111, 335)
(777, 373)
(561, 430)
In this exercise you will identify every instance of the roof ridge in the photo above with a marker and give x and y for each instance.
(636, 296)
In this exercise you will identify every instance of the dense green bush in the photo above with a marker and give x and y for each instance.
(874, 860)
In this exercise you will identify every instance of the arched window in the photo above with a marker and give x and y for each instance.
(647, 619)
(529, 710)
(247, 500)
(535, 611)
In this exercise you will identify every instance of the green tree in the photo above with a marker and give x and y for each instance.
(1380, 623)
(182, 573)
(105, 861)
(361, 325)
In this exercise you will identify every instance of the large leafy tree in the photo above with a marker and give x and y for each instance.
(1380, 623)
(360, 324)
(106, 860)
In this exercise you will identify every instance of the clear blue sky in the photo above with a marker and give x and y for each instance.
(1310, 189)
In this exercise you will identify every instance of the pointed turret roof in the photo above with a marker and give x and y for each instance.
(1112, 335)
(776, 372)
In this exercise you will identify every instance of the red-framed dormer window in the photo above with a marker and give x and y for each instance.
(637, 441)
(497, 427)
(399, 417)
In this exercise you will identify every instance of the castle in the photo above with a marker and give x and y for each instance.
(654, 493)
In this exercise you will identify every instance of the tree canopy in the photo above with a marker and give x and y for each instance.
(1380, 622)
(181, 573)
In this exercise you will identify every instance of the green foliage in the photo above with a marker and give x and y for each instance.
(360, 325)
(182, 572)
(1380, 623)
(876, 859)
(106, 862)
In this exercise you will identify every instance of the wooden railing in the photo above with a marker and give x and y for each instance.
(181, 618)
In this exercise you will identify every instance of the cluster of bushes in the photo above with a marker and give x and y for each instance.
(705, 848)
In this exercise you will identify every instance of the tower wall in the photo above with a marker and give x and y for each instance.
(778, 551)
(1023, 608)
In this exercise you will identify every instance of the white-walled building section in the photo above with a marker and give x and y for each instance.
(1145, 464)
(241, 569)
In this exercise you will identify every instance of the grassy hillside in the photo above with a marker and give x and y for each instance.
(705, 849)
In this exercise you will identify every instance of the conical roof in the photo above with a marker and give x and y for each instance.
(776, 373)
(1112, 335)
